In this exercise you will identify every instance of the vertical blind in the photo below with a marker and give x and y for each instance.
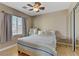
(17, 25)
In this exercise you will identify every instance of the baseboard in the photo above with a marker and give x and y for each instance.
(66, 44)
(7, 47)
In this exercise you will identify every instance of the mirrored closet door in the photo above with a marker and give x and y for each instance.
(76, 28)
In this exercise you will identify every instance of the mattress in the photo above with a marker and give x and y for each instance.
(39, 45)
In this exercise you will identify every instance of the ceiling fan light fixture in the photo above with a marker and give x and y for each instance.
(35, 9)
(36, 6)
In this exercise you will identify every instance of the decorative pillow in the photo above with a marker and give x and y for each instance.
(45, 33)
(39, 32)
(33, 31)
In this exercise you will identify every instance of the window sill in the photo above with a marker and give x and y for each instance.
(19, 35)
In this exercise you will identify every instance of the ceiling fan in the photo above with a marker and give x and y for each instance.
(36, 7)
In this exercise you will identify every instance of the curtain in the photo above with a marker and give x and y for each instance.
(6, 28)
(24, 26)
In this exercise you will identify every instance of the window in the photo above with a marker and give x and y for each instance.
(16, 25)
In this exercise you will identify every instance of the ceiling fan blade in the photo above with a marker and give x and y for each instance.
(37, 11)
(30, 9)
(42, 8)
(38, 3)
(29, 5)
(24, 7)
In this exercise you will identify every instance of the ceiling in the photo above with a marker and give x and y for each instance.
(49, 7)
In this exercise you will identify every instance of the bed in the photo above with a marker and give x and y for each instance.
(38, 45)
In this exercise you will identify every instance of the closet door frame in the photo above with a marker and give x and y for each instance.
(74, 27)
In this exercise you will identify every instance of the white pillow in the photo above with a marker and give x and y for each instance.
(33, 31)
(45, 33)
(39, 32)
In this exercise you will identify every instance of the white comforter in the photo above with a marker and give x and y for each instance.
(37, 40)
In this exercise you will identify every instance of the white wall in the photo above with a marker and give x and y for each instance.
(56, 21)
